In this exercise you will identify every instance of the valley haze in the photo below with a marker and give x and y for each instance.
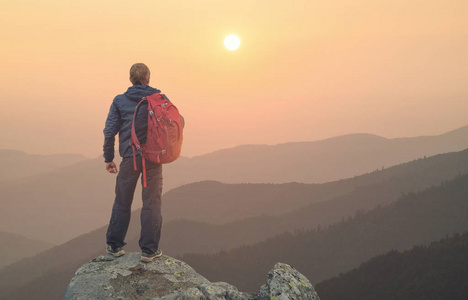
(206, 217)
(412, 219)
(79, 197)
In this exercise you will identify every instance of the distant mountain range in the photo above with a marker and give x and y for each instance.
(437, 271)
(400, 225)
(78, 198)
(14, 247)
(363, 193)
(58, 205)
(415, 219)
(17, 164)
(311, 162)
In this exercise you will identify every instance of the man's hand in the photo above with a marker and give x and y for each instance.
(111, 167)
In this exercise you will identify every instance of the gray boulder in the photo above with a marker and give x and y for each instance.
(285, 282)
(166, 278)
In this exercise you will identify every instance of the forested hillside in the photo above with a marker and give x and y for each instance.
(415, 219)
(437, 271)
(48, 273)
(365, 192)
(217, 203)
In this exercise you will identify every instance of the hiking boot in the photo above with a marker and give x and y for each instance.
(148, 257)
(115, 251)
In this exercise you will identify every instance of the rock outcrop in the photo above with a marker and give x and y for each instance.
(166, 278)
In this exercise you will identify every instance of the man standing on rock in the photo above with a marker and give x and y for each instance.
(119, 121)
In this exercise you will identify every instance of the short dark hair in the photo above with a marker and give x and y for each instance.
(139, 74)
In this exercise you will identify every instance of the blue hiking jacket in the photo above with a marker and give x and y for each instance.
(120, 117)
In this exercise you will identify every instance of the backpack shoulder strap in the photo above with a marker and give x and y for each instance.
(134, 142)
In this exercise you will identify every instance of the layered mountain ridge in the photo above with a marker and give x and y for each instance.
(80, 197)
(52, 268)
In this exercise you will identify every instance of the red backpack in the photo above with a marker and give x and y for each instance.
(164, 133)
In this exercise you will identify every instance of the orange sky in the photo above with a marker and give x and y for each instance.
(306, 70)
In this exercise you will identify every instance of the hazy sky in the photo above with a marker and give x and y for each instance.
(306, 70)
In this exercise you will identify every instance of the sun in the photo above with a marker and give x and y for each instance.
(232, 42)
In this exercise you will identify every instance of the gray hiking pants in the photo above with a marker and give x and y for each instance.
(151, 218)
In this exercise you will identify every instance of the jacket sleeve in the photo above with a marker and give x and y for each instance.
(113, 125)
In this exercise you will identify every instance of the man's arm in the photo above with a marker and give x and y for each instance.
(113, 125)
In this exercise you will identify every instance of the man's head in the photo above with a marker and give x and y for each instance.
(139, 74)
